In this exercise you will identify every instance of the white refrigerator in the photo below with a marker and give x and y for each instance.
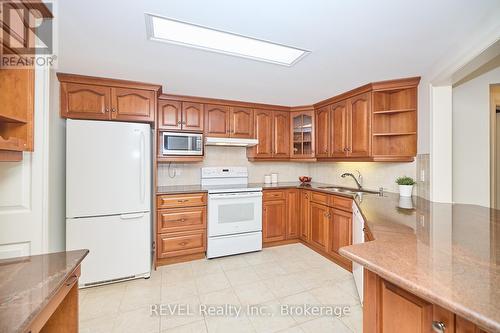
(108, 198)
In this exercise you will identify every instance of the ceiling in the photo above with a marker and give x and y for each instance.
(351, 43)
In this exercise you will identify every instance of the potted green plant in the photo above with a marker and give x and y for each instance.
(405, 185)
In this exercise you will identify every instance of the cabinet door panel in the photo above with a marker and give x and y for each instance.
(82, 101)
(305, 211)
(133, 104)
(264, 133)
(274, 221)
(192, 117)
(241, 123)
(169, 115)
(281, 134)
(293, 213)
(340, 230)
(217, 120)
(323, 132)
(403, 312)
(338, 129)
(359, 142)
(319, 225)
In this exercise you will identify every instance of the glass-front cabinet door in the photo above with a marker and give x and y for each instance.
(302, 134)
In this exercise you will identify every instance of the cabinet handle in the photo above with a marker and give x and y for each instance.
(438, 326)
(106, 109)
(113, 110)
(182, 200)
(180, 220)
(184, 243)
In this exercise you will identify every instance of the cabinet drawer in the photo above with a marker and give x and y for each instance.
(181, 200)
(181, 243)
(321, 198)
(342, 203)
(273, 195)
(180, 219)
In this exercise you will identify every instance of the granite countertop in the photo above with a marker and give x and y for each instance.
(27, 284)
(448, 254)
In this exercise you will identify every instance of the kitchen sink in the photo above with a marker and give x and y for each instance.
(347, 190)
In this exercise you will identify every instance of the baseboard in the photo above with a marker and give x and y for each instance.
(179, 259)
(278, 243)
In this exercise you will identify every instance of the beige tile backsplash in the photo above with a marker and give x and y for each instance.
(375, 175)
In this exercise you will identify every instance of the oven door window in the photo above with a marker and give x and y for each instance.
(236, 213)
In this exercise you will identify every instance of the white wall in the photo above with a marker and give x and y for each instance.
(471, 139)
(56, 172)
(230, 156)
(375, 174)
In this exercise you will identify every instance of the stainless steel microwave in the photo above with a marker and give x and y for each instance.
(178, 143)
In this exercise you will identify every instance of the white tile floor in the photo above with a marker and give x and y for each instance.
(283, 275)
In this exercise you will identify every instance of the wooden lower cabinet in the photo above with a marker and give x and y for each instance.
(274, 220)
(305, 214)
(280, 215)
(339, 233)
(293, 214)
(174, 244)
(181, 226)
(319, 225)
(388, 308)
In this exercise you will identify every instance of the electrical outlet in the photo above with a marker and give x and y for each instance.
(422, 175)
(422, 221)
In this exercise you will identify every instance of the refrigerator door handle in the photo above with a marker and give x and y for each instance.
(131, 216)
(143, 167)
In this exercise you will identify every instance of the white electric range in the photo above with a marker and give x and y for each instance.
(234, 211)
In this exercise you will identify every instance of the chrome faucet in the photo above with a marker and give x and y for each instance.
(358, 179)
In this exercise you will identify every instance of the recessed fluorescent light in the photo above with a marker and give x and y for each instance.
(187, 34)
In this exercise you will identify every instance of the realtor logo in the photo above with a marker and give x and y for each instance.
(27, 37)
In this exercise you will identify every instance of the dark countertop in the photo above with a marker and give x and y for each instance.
(448, 254)
(27, 285)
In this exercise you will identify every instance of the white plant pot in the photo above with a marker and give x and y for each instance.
(405, 190)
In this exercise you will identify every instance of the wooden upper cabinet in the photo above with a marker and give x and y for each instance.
(340, 230)
(274, 221)
(86, 97)
(192, 116)
(169, 115)
(217, 120)
(83, 101)
(338, 129)
(302, 134)
(319, 225)
(281, 134)
(241, 123)
(323, 132)
(359, 108)
(264, 133)
(133, 104)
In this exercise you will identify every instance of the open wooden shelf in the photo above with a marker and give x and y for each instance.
(394, 124)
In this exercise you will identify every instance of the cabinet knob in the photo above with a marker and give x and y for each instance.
(113, 110)
(438, 326)
(106, 109)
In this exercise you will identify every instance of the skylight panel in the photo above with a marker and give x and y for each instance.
(182, 33)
